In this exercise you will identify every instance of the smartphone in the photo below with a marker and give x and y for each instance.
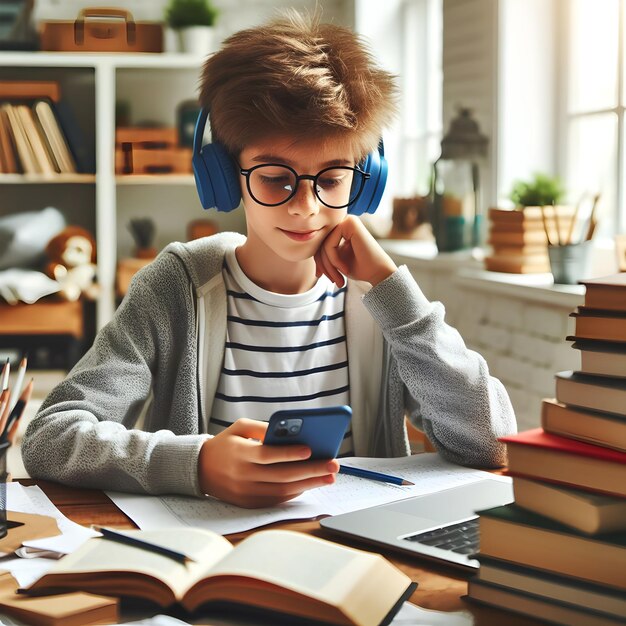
(322, 429)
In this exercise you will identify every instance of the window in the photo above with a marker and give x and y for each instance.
(406, 37)
(594, 107)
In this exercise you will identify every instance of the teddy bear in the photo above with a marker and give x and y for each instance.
(72, 255)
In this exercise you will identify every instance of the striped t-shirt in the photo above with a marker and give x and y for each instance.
(282, 351)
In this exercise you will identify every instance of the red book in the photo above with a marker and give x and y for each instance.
(541, 455)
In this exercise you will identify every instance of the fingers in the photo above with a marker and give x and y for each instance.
(249, 429)
(295, 471)
(332, 270)
(286, 491)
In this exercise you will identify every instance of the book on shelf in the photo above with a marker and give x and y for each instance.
(598, 324)
(265, 571)
(38, 148)
(520, 251)
(581, 594)
(510, 533)
(47, 136)
(608, 292)
(533, 606)
(531, 214)
(599, 393)
(541, 455)
(54, 136)
(601, 429)
(514, 266)
(23, 149)
(521, 238)
(7, 144)
(602, 358)
(588, 512)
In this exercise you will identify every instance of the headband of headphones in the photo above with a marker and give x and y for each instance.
(217, 175)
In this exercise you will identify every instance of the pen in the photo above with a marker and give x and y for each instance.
(363, 473)
(113, 535)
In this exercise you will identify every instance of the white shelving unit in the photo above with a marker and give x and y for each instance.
(156, 83)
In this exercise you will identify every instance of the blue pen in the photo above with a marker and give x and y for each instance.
(363, 473)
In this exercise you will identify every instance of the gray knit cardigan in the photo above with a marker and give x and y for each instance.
(132, 414)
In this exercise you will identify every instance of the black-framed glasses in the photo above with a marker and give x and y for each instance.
(272, 184)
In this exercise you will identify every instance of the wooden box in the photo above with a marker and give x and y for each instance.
(119, 34)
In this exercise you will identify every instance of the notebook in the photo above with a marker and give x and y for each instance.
(441, 526)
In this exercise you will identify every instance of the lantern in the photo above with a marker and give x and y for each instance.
(455, 185)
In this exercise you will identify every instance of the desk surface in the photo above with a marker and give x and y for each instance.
(439, 588)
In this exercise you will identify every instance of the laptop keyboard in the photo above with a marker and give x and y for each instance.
(461, 537)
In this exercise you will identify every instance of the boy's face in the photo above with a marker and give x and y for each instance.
(295, 229)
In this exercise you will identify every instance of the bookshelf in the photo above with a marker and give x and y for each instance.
(153, 85)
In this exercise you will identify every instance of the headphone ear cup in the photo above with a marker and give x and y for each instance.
(375, 165)
(217, 179)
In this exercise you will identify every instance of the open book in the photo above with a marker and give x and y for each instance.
(275, 570)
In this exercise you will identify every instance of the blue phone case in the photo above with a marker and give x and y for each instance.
(321, 429)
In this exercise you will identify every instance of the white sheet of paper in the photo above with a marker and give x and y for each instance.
(34, 500)
(429, 472)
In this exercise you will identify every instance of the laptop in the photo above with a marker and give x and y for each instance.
(441, 525)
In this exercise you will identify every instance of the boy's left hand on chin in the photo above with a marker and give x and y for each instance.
(350, 250)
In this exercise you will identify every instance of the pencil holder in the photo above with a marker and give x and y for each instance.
(569, 263)
(4, 448)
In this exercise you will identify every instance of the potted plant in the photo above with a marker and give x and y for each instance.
(542, 190)
(193, 22)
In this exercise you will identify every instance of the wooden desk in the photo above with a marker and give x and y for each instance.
(439, 588)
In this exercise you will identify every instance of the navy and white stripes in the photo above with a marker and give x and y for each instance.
(281, 352)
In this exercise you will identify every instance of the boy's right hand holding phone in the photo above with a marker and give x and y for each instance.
(236, 467)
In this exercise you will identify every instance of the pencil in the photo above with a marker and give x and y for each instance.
(556, 224)
(573, 220)
(113, 535)
(6, 370)
(545, 224)
(17, 387)
(4, 408)
(17, 410)
(372, 475)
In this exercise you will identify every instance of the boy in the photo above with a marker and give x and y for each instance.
(307, 310)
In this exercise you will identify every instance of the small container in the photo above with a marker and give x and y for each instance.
(569, 263)
(4, 447)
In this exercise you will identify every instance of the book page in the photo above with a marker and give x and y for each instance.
(429, 472)
(103, 555)
(277, 557)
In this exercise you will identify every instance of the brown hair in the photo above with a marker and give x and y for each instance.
(296, 76)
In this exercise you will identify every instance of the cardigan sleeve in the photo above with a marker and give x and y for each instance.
(463, 408)
(84, 435)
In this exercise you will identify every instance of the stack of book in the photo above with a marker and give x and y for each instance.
(37, 132)
(519, 238)
(559, 551)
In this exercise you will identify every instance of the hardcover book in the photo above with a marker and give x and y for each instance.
(533, 606)
(583, 595)
(599, 393)
(602, 358)
(597, 324)
(266, 571)
(588, 512)
(537, 454)
(601, 429)
(608, 292)
(510, 533)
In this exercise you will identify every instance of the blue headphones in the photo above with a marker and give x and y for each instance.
(217, 175)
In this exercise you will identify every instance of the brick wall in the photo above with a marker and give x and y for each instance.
(519, 329)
